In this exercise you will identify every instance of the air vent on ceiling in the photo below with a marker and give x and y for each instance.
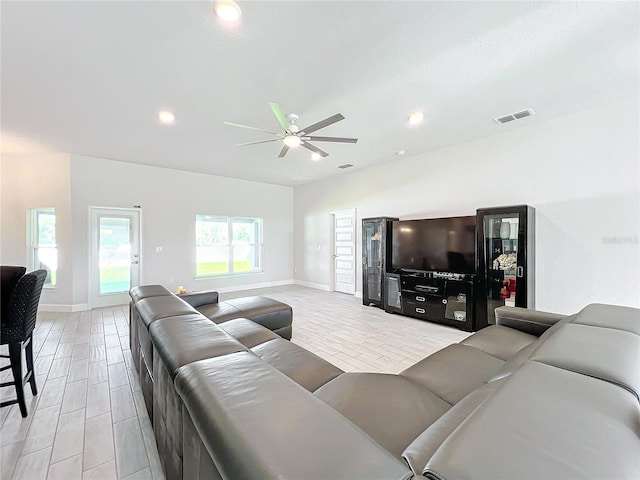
(346, 165)
(515, 116)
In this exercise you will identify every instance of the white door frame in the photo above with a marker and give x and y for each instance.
(95, 300)
(332, 249)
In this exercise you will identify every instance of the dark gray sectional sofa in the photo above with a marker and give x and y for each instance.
(538, 395)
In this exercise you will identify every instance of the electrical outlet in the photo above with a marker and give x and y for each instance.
(158, 249)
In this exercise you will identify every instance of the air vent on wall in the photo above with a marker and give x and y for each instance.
(346, 165)
(515, 116)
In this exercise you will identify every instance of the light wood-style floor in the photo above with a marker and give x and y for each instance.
(89, 420)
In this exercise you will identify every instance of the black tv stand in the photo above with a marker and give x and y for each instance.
(440, 297)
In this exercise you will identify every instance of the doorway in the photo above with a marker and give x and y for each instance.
(344, 251)
(114, 261)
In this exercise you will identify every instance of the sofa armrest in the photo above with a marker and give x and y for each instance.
(197, 299)
(529, 321)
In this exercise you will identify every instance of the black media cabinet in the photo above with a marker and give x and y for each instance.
(446, 298)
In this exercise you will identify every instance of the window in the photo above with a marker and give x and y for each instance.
(226, 245)
(43, 250)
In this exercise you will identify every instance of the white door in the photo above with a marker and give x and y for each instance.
(344, 252)
(114, 266)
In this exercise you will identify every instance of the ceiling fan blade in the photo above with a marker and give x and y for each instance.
(314, 149)
(322, 123)
(283, 152)
(331, 139)
(251, 128)
(260, 141)
(277, 111)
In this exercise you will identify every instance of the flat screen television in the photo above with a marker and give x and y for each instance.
(436, 245)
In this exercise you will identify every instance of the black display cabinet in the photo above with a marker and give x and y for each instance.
(505, 260)
(376, 239)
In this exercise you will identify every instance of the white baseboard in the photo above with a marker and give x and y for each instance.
(358, 294)
(253, 286)
(317, 286)
(80, 307)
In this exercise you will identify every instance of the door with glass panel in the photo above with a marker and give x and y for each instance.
(115, 255)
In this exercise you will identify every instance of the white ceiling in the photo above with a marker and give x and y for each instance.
(90, 77)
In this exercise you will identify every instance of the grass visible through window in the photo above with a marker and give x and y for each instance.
(115, 279)
(215, 268)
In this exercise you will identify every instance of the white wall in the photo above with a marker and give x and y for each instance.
(169, 201)
(37, 181)
(581, 172)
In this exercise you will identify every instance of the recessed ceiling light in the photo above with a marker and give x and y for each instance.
(167, 117)
(292, 141)
(416, 118)
(315, 156)
(228, 11)
(401, 152)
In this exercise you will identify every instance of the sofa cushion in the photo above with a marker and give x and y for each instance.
(418, 453)
(274, 315)
(188, 338)
(605, 353)
(285, 332)
(545, 422)
(515, 362)
(392, 409)
(247, 332)
(501, 342)
(219, 312)
(609, 316)
(146, 291)
(454, 371)
(257, 423)
(300, 365)
(265, 311)
(153, 308)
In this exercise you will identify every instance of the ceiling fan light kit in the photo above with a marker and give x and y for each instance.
(166, 117)
(228, 11)
(292, 141)
(416, 118)
(294, 136)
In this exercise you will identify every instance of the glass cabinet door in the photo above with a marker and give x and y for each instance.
(376, 233)
(372, 232)
(502, 259)
(505, 260)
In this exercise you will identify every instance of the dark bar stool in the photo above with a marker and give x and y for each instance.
(18, 322)
(9, 276)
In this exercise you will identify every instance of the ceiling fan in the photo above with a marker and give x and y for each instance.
(293, 135)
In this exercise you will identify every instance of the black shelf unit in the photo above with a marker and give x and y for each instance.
(446, 298)
(376, 239)
(505, 260)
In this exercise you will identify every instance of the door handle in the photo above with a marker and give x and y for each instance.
(520, 272)
(135, 262)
